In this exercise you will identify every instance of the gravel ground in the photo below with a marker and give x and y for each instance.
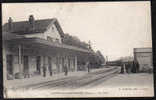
(124, 80)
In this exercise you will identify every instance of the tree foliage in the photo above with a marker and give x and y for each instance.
(74, 41)
(95, 60)
(100, 57)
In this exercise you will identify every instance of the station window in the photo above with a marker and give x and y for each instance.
(49, 38)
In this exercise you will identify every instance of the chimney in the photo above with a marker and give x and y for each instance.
(10, 23)
(31, 22)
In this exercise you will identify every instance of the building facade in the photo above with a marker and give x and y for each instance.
(35, 47)
(144, 57)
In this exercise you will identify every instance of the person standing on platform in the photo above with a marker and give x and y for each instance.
(50, 71)
(122, 69)
(88, 66)
(44, 66)
(66, 70)
(126, 67)
(44, 71)
(137, 66)
(133, 67)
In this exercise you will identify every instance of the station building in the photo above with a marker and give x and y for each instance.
(32, 45)
(144, 57)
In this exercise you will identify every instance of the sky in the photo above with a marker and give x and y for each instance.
(114, 28)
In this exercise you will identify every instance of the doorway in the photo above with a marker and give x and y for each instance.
(26, 66)
(9, 59)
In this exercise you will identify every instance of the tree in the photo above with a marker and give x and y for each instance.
(74, 41)
(100, 57)
(96, 59)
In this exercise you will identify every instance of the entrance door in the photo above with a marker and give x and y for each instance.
(9, 64)
(38, 64)
(26, 66)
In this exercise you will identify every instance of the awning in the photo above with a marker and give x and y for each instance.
(40, 42)
(9, 36)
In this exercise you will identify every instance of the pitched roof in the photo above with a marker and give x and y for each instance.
(40, 26)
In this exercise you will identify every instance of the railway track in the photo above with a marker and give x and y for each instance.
(75, 84)
(74, 81)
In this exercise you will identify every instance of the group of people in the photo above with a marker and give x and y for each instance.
(65, 69)
(51, 72)
(130, 67)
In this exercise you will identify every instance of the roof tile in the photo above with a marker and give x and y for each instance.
(22, 27)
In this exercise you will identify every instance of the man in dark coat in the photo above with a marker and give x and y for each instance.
(88, 66)
(126, 67)
(134, 67)
(137, 66)
(129, 67)
(122, 69)
(50, 70)
(66, 70)
(44, 71)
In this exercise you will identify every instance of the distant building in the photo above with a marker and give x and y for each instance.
(31, 46)
(144, 58)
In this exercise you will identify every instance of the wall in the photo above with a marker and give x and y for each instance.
(54, 66)
(56, 60)
(4, 64)
(144, 57)
(38, 35)
(14, 52)
(144, 60)
(15, 64)
(53, 33)
(32, 64)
